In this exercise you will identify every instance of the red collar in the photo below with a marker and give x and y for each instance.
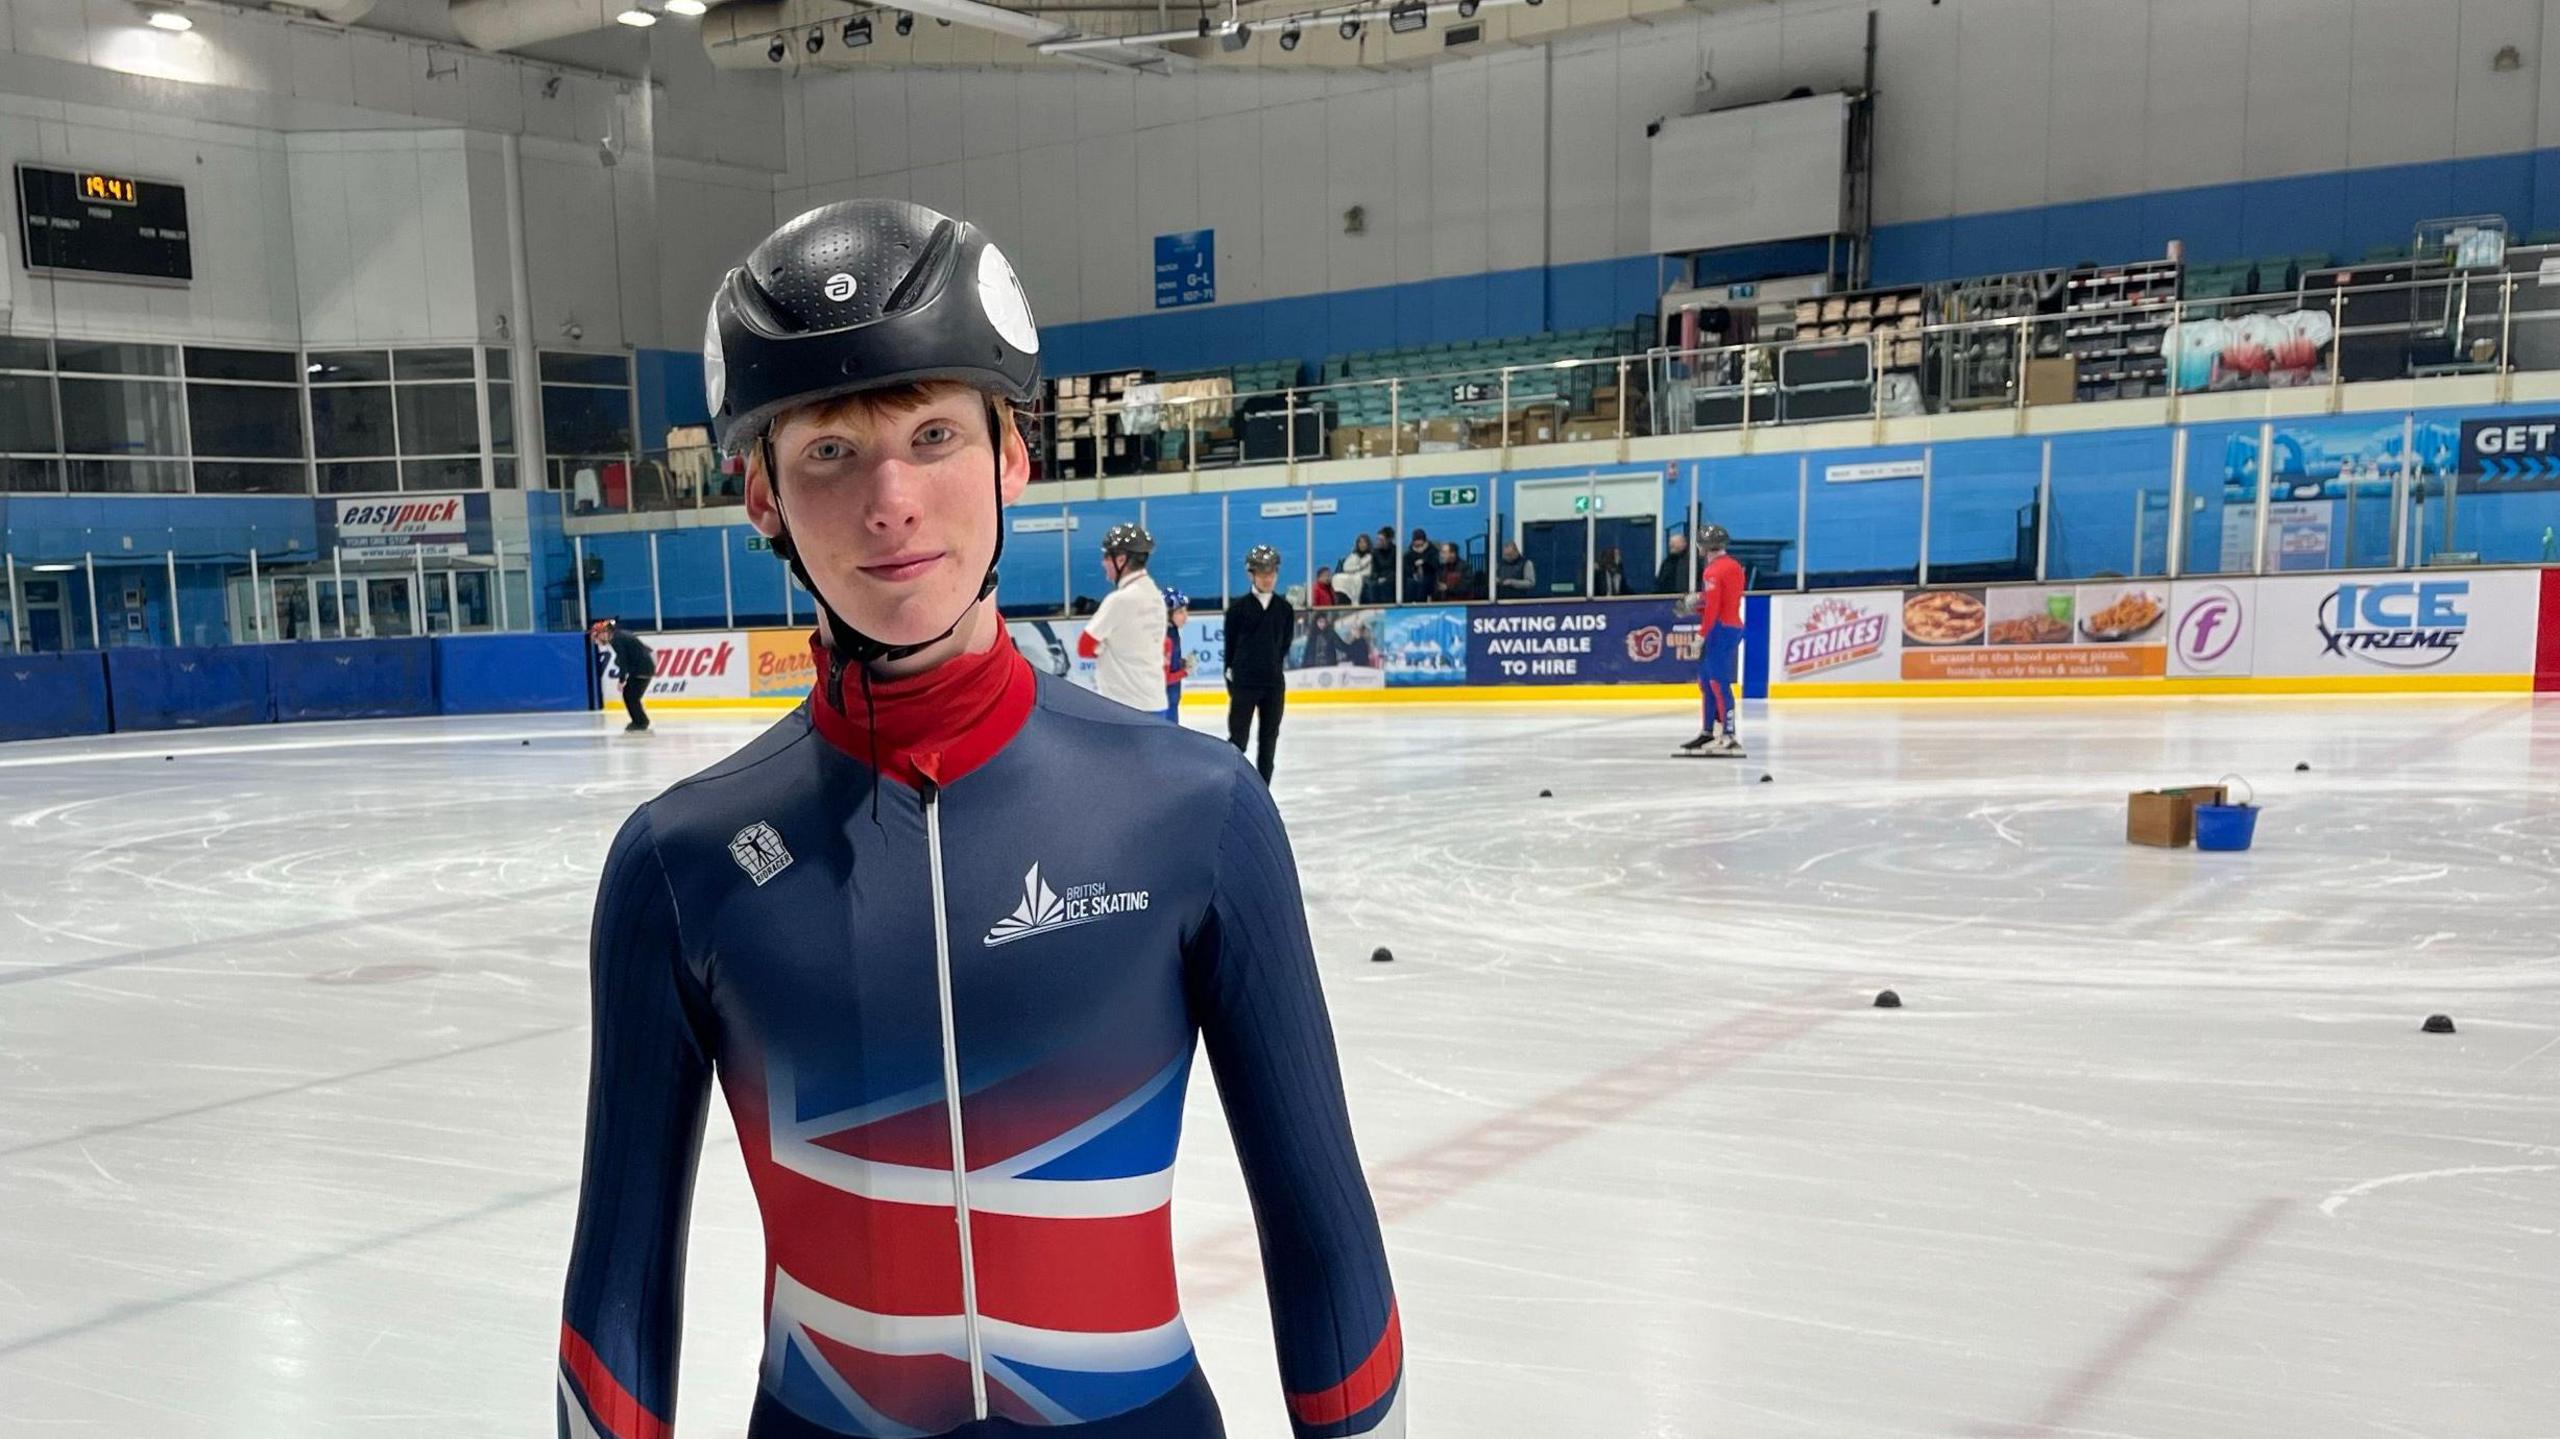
(938, 725)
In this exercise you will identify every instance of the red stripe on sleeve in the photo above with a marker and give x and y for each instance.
(1366, 1385)
(622, 1416)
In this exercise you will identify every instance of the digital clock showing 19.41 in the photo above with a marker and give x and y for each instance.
(84, 224)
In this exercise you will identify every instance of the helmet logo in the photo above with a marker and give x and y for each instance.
(1000, 297)
(715, 364)
(840, 287)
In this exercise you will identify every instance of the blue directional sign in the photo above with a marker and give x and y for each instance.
(1186, 269)
(2510, 456)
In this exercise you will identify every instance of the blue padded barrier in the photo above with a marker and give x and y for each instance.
(189, 687)
(508, 674)
(46, 696)
(353, 679)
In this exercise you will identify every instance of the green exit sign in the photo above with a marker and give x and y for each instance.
(758, 542)
(1588, 504)
(1447, 497)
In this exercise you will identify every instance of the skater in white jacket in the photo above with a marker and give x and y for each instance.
(1125, 637)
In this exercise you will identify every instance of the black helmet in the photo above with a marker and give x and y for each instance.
(1713, 537)
(1262, 559)
(864, 295)
(1128, 539)
(855, 296)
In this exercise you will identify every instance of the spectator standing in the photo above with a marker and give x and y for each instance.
(1515, 575)
(1673, 577)
(1351, 577)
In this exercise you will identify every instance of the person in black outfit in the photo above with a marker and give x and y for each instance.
(1260, 625)
(1672, 576)
(639, 666)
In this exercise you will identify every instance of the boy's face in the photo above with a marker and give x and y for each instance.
(889, 504)
(1263, 580)
(1181, 616)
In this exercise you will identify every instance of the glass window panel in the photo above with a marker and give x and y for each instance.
(502, 418)
(338, 367)
(438, 420)
(501, 364)
(120, 417)
(26, 414)
(431, 364)
(586, 422)
(22, 476)
(352, 421)
(1754, 498)
(1982, 510)
(502, 473)
(245, 421)
(2110, 510)
(440, 474)
(129, 477)
(237, 477)
(1861, 531)
(25, 352)
(98, 357)
(372, 477)
(563, 369)
(279, 367)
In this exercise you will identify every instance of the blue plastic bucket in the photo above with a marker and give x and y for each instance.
(2226, 826)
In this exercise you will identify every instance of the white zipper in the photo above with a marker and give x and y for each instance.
(951, 1102)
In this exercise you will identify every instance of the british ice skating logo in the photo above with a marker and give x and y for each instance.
(1043, 909)
(758, 851)
(1836, 633)
(2402, 624)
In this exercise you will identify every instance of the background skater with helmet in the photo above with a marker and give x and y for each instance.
(1718, 606)
(1260, 626)
(1125, 637)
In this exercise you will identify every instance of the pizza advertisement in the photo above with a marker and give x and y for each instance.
(2108, 630)
(1942, 617)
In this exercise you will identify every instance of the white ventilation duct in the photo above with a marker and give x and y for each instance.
(510, 24)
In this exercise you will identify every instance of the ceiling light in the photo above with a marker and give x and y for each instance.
(1349, 29)
(169, 20)
(1407, 16)
(857, 32)
(1466, 9)
(817, 40)
(1206, 29)
(906, 23)
(686, 7)
(1236, 38)
(1289, 36)
(775, 51)
(636, 18)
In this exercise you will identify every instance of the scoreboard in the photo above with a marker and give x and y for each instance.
(86, 225)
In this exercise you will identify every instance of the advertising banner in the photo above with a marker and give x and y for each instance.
(436, 526)
(1635, 641)
(1849, 636)
(2509, 456)
(2209, 628)
(695, 665)
(2480, 623)
(779, 665)
(2113, 630)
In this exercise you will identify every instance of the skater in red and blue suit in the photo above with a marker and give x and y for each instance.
(1718, 605)
(947, 938)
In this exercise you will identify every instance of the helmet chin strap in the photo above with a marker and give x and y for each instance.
(845, 644)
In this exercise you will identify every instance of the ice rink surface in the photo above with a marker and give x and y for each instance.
(293, 1046)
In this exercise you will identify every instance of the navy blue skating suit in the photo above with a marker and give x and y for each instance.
(1010, 965)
